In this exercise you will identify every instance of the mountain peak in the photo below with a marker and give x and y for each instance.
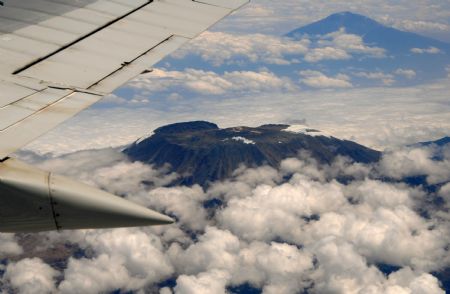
(353, 23)
(201, 152)
(186, 127)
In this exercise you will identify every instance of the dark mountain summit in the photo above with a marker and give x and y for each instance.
(201, 152)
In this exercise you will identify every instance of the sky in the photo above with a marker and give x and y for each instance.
(280, 230)
(242, 68)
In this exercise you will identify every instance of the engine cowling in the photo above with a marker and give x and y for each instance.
(33, 200)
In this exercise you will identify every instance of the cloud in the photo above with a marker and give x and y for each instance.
(9, 245)
(408, 162)
(326, 53)
(407, 73)
(420, 25)
(316, 79)
(31, 276)
(126, 259)
(209, 282)
(351, 43)
(211, 83)
(429, 50)
(385, 78)
(282, 230)
(220, 48)
(431, 17)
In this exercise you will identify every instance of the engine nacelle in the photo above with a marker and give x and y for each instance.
(32, 200)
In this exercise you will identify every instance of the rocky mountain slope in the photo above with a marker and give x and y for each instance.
(201, 152)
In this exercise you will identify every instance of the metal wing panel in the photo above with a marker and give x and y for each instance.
(77, 60)
(144, 62)
(42, 121)
(231, 4)
(10, 93)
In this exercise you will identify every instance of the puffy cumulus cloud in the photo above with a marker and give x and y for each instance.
(429, 50)
(9, 245)
(185, 203)
(407, 73)
(317, 79)
(283, 230)
(209, 282)
(211, 83)
(220, 48)
(215, 250)
(278, 212)
(275, 267)
(106, 171)
(343, 270)
(126, 259)
(408, 162)
(31, 276)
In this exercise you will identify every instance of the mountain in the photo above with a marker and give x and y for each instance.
(440, 142)
(428, 57)
(344, 45)
(202, 152)
(372, 32)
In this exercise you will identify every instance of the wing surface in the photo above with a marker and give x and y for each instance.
(60, 56)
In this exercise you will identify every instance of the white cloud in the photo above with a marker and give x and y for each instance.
(429, 50)
(31, 276)
(407, 73)
(209, 282)
(326, 53)
(409, 162)
(420, 25)
(186, 203)
(243, 140)
(316, 79)
(351, 43)
(126, 259)
(9, 245)
(329, 235)
(385, 78)
(210, 83)
(220, 48)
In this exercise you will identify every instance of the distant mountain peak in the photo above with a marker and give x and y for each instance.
(353, 23)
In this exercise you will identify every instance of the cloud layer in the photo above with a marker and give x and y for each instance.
(279, 230)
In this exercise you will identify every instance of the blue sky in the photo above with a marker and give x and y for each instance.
(243, 72)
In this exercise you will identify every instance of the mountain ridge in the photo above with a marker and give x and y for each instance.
(201, 152)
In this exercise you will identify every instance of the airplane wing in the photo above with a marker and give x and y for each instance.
(60, 56)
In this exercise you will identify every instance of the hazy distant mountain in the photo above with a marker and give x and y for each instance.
(385, 57)
(440, 142)
(372, 32)
(427, 57)
(202, 152)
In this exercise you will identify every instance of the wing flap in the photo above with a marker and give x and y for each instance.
(58, 61)
(43, 121)
(91, 61)
(142, 63)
